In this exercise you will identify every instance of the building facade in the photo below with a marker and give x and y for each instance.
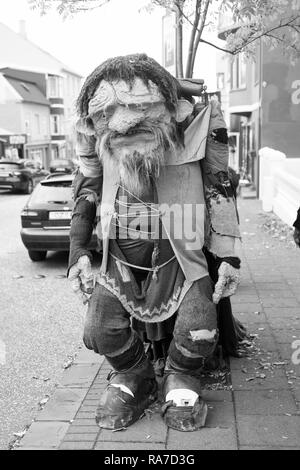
(37, 101)
(263, 104)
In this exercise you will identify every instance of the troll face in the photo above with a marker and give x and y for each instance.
(134, 119)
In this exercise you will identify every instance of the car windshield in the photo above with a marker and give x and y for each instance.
(52, 192)
(9, 166)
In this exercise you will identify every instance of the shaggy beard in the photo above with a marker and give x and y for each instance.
(137, 167)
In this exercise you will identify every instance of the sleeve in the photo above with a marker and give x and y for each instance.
(87, 189)
(296, 224)
(222, 226)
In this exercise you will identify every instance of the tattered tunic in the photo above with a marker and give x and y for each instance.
(191, 191)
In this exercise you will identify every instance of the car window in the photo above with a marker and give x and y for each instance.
(9, 166)
(52, 192)
(61, 163)
(32, 165)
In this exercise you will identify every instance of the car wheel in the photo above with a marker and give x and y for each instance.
(37, 255)
(29, 187)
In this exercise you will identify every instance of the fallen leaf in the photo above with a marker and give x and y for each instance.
(20, 434)
(68, 364)
(44, 401)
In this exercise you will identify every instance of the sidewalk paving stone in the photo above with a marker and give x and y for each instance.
(217, 395)
(129, 446)
(80, 375)
(267, 448)
(85, 356)
(274, 380)
(282, 312)
(280, 302)
(288, 323)
(77, 446)
(63, 405)
(147, 429)
(283, 336)
(220, 415)
(81, 437)
(276, 294)
(269, 430)
(264, 402)
(245, 299)
(246, 307)
(46, 435)
(204, 439)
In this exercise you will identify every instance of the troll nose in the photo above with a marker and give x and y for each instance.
(124, 118)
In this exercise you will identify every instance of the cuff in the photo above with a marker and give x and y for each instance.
(75, 254)
(234, 261)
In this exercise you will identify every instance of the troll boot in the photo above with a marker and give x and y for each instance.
(184, 409)
(127, 396)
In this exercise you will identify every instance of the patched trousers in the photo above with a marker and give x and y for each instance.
(108, 329)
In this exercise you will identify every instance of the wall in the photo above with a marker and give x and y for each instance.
(248, 95)
(279, 184)
(72, 86)
(281, 104)
(29, 110)
(10, 107)
(11, 117)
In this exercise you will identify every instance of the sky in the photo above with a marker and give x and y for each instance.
(86, 39)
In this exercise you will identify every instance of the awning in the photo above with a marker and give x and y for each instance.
(244, 109)
(59, 143)
(6, 132)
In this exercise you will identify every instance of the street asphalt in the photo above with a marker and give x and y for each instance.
(40, 323)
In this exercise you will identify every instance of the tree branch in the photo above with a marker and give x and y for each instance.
(192, 38)
(265, 33)
(247, 43)
(200, 32)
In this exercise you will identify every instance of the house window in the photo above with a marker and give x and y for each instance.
(55, 86)
(37, 124)
(56, 124)
(242, 71)
(27, 126)
(238, 72)
(220, 81)
(257, 64)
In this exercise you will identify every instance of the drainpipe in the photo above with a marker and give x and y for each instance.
(259, 112)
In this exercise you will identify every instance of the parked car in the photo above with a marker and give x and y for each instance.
(20, 175)
(46, 218)
(62, 166)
